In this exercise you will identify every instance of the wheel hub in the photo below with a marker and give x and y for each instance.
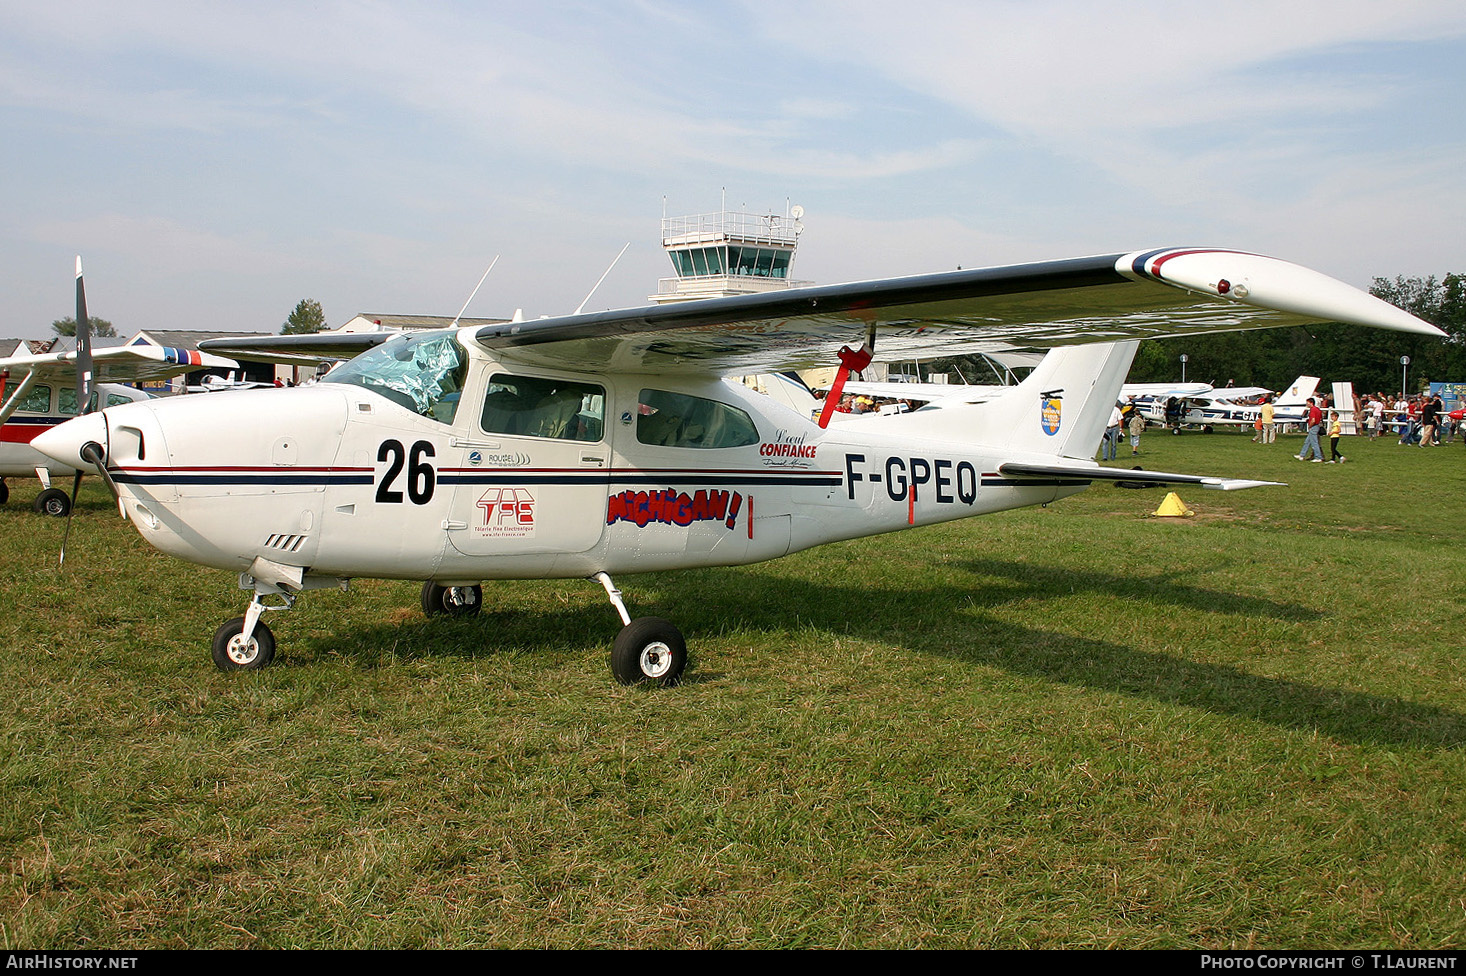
(241, 651)
(656, 659)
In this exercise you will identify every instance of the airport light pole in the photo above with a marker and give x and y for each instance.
(1183, 367)
(1404, 367)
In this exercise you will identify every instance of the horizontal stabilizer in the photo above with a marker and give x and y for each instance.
(1094, 472)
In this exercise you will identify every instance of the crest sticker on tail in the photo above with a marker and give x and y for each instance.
(1050, 414)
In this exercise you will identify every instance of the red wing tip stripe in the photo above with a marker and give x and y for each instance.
(1149, 264)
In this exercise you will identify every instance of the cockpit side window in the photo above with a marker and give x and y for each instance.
(425, 374)
(678, 420)
(38, 400)
(533, 406)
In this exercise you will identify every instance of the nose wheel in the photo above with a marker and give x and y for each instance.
(234, 651)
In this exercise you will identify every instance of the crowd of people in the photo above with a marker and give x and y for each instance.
(1420, 421)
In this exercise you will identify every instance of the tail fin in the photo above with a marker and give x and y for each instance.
(1298, 393)
(1061, 408)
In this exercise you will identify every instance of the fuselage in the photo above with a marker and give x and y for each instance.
(483, 469)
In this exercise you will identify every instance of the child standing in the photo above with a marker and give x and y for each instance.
(1335, 430)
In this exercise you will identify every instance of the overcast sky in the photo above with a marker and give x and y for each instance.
(216, 163)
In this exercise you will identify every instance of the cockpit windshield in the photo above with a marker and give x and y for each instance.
(425, 374)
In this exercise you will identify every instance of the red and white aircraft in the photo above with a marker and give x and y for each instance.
(593, 445)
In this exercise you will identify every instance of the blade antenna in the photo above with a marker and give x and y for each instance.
(475, 291)
(581, 307)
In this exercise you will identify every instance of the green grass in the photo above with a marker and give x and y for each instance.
(1071, 726)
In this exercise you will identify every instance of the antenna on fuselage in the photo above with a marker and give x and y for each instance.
(581, 307)
(475, 291)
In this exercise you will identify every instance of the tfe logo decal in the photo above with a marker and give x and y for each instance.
(507, 512)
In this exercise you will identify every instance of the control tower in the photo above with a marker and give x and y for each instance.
(729, 253)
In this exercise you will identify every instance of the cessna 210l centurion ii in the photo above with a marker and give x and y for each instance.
(606, 443)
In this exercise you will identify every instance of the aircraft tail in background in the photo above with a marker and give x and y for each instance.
(1298, 392)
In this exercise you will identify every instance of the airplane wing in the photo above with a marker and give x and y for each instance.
(1139, 295)
(1164, 390)
(116, 364)
(307, 349)
(113, 364)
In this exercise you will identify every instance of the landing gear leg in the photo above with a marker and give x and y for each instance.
(647, 648)
(245, 643)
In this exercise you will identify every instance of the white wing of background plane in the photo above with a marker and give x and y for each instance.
(1140, 295)
(113, 364)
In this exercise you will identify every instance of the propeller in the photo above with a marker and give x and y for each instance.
(91, 450)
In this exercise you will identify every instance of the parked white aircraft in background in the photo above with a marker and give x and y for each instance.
(1238, 406)
(596, 444)
(37, 392)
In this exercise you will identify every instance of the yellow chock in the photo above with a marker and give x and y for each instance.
(1172, 505)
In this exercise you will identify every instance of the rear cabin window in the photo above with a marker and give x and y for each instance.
(533, 406)
(678, 420)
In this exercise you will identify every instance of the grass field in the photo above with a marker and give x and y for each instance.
(1072, 726)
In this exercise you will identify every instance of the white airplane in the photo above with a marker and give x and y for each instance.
(37, 392)
(593, 445)
(217, 384)
(1238, 406)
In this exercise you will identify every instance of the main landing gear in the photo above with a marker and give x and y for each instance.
(452, 601)
(646, 649)
(53, 502)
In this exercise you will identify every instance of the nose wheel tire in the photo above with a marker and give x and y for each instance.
(233, 653)
(53, 502)
(648, 649)
(451, 601)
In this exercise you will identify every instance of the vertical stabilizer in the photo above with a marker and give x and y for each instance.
(1060, 409)
(1298, 392)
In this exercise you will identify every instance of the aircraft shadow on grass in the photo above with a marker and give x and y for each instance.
(708, 602)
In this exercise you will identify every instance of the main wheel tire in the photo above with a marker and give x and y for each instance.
(233, 654)
(451, 601)
(53, 502)
(649, 649)
(4, 493)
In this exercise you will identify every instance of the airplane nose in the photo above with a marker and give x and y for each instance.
(64, 442)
